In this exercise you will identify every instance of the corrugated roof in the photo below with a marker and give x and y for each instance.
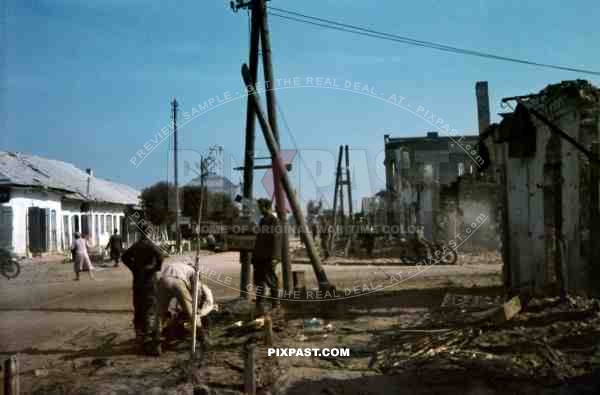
(22, 169)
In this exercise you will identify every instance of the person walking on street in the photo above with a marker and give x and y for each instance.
(81, 259)
(115, 247)
(144, 259)
(266, 255)
(177, 281)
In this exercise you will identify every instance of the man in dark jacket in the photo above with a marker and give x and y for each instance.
(115, 246)
(144, 259)
(266, 255)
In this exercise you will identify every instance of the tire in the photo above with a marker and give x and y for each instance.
(450, 258)
(11, 269)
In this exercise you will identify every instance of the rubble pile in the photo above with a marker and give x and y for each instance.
(548, 342)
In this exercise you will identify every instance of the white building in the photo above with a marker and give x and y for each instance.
(44, 201)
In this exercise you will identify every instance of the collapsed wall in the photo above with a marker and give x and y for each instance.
(470, 200)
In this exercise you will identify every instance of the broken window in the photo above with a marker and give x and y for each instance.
(405, 160)
(522, 135)
(428, 172)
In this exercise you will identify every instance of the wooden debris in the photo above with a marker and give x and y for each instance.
(11, 376)
(268, 330)
(507, 311)
(249, 370)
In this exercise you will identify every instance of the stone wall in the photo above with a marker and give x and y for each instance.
(469, 200)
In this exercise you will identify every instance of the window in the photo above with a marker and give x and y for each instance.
(109, 224)
(102, 224)
(115, 226)
(428, 172)
(405, 160)
(85, 225)
(461, 169)
(96, 229)
(66, 234)
(53, 235)
(75, 225)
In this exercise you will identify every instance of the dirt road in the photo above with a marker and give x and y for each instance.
(45, 314)
(45, 302)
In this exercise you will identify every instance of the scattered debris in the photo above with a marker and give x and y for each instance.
(541, 344)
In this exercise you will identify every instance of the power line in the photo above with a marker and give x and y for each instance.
(287, 128)
(349, 28)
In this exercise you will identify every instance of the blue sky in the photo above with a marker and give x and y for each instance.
(89, 82)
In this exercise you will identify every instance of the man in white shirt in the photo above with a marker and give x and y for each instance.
(177, 281)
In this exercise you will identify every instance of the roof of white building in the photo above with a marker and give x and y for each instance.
(20, 169)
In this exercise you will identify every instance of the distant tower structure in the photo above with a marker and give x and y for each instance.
(215, 160)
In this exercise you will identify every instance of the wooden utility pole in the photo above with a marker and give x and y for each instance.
(249, 369)
(286, 267)
(339, 191)
(348, 182)
(246, 269)
(338, 173)
(260, 30)
(285, 182)
(174, 106)
(11, 376)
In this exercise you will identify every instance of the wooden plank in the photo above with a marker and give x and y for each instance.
(268, 330)
(249, 370)
(11, 376)
(299, 279)
(507, 311)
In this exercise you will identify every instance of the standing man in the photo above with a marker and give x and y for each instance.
(266, 255)
(115, 246)
(144, 259)
(177, 281)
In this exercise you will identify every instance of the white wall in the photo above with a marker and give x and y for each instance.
(99, 234)
(21, 200)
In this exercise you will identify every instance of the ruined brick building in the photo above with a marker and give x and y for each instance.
(544, 155)
(423, 188)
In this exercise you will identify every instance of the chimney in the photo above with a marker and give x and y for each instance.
(483, 105)
(90, 174)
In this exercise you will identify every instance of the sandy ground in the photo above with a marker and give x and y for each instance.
(76, 336)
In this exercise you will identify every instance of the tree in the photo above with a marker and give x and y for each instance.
(155, 203)
(218, 206)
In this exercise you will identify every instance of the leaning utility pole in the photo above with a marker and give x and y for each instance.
(260, 29)
(175, 174)
(285, 182)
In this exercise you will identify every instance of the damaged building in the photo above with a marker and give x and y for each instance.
(544, 155)
(437, 182)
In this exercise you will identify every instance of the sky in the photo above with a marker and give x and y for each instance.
(90, 82)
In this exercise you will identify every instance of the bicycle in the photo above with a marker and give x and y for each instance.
(9, 264)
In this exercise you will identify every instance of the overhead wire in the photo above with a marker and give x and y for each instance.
(350, 28)
(295, 144)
